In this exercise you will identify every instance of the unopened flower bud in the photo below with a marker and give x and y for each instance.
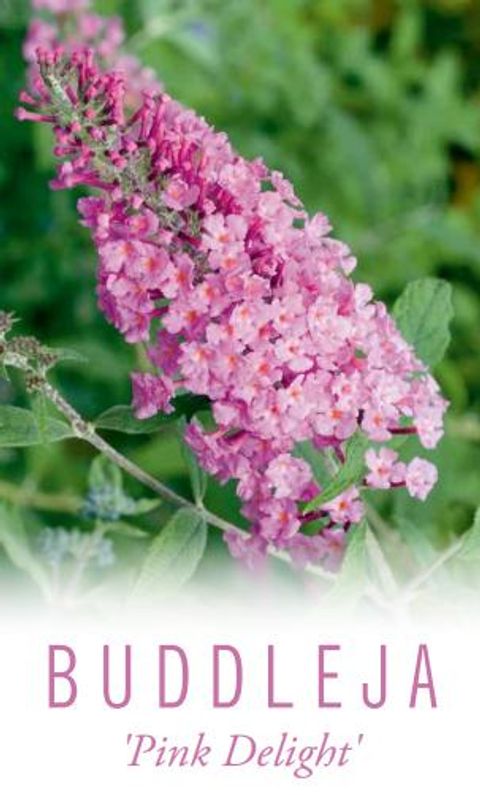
(34, 382)
(26, 346)
(7, 319)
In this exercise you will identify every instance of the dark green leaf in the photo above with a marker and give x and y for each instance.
(122, 419)
(198, 477)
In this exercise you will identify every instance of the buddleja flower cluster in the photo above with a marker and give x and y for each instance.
(72, 24)
(212, 261)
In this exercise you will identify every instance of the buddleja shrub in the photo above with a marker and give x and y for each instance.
(242, 300)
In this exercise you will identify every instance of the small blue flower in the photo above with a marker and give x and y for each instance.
(57, 544)
(107, 503)
(54, 545)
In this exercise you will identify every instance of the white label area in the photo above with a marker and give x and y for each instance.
(218, 699)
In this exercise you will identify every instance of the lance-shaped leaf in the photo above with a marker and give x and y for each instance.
(124, 529)
(423, 314)
(173, 556)
(380, 571)
(14, 539)
(364, 571)
(469, 550)
(348, 474)
(353, 577)
(122, 418)
(198, 476)
(315, 458)
(20, 428)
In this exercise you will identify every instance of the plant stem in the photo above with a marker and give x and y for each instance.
(57, 503)
(86, 431)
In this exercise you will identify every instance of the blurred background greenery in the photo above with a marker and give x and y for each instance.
(372, 109)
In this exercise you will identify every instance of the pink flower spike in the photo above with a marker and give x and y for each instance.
(240, 297)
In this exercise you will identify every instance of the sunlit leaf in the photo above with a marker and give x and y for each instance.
(14, 539)
(423, 314)
(21, 428)
(348, 474)
(173, 556)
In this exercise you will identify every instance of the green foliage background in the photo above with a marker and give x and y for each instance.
(371, 107)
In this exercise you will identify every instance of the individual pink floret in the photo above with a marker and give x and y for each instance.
(420, 478)
(151, 394)
(384, 468)
(347, 508)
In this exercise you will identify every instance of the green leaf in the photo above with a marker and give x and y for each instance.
(353, 578)
(14, 539)
(364, 567)
(198, 476)
(470, 549)
(173, 556)
(315, 458)
(348, 474)
(423, 313)
(142, 506)
(381, 573)
(416, 538)
(40, 410)
(464, 565)
(69, 355)
(14, 14)
(20, 428)
(122, 419)
(124, 529)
